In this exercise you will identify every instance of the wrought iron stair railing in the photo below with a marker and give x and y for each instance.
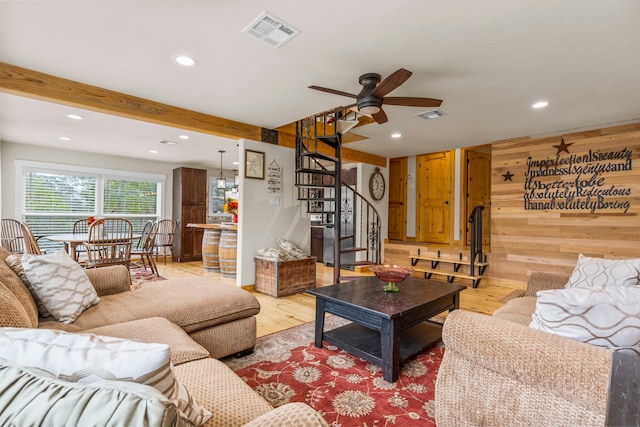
(352, 224)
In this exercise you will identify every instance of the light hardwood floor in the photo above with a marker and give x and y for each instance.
(277, 314)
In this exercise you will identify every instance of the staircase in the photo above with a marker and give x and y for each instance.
(351, 224)
(476, 262)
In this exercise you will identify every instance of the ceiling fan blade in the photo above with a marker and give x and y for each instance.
(333, 91)
(380, 117)
(409, 101)
(391, 82)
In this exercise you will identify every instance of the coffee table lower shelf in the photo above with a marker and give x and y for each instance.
(366, 344)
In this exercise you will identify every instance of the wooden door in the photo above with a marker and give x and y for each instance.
(397, 199)
(434, 184)
(479, 191)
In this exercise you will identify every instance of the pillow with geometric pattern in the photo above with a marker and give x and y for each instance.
(88, 358)
(60, 284)
(606, 316)
(604, 272)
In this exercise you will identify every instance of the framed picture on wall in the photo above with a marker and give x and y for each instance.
(253, 164)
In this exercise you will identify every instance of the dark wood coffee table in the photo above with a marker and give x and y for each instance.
(387, 328)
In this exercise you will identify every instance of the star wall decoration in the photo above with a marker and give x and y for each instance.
(507, 176)
(562, 147)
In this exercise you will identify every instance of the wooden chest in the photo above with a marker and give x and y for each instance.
(282, 278)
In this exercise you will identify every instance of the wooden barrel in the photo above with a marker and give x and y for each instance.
(210, 243)
(228, 250)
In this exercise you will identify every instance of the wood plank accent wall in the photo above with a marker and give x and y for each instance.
(524, 239)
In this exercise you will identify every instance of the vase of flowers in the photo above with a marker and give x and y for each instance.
(231, 206)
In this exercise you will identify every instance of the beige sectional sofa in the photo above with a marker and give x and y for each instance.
(497, 371)
(200, 319)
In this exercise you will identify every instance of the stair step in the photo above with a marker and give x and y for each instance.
(350, 250)
(316, 171)
(332, 140)
(318, 199)
(321, 156)
(415, 258)
(450, 275)
(315, 185)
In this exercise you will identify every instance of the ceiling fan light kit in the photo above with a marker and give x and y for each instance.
(372, 96)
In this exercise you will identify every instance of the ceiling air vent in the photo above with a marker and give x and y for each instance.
(271, 30)
(432, 114)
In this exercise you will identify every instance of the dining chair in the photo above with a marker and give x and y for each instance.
(12, 236)
(109, 242)
(30, 243)
(146, 246)
(164, 237)
(79, 227)
(140, 243)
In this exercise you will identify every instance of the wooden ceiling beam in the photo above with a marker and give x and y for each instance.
(45, 87)
(33, 84)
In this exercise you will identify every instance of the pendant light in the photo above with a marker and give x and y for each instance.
(221, 182)
(236, 182)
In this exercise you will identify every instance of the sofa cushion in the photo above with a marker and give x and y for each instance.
(157, 330)
(12, 313)
(60, 283)
(231, 401)
(87, 358)
(34, 398)
(518, 310)
(193, 303)
(14, 284)
(603, 272)
(607, 316)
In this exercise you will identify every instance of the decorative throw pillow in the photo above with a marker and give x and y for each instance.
(60, 284)
(291, 249)
(607, 316)
(604, 272)
(273, 254)
(31, 398)
(88, 358)
(14, 261)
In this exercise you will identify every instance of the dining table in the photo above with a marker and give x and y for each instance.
(73, 240)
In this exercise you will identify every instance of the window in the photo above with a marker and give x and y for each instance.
(50, 198)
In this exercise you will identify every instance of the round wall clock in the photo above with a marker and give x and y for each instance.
(376, 185)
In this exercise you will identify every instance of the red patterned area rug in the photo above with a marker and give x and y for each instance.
(346, 390)
(140, 275)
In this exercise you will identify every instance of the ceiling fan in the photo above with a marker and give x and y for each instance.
(372, 95)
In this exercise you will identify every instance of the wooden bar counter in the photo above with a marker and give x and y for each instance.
(219, 248)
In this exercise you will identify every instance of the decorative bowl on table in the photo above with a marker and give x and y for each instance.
(392, 274)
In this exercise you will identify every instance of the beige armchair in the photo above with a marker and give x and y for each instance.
(497, 371)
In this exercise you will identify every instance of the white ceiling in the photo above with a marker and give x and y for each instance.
(488, 60)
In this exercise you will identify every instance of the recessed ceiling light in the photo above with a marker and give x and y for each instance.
(187, 61)
(65, 138)
(540, 104)
(154, 151)
(75, 116)
(236, 163)
(396, 135)
(184, 137)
